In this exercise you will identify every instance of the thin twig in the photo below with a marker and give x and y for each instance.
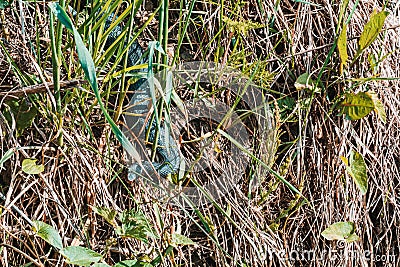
(22, 253)
(17, 210)
(40, 88)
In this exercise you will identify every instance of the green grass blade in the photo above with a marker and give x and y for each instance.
(88, 67)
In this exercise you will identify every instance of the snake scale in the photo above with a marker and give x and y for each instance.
(168, 156)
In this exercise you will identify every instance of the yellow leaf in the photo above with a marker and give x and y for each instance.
(342, 47)
(356, 106)
(29, 166)
(357, 170)
(379, 108)
(371, 30)
(345, 161)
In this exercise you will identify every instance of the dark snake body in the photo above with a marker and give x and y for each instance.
(166, 147)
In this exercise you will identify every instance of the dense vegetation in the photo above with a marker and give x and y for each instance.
(321, 184)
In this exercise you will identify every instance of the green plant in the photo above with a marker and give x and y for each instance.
(357, 106)
(4, 4)
(128, 224)
(341, 231)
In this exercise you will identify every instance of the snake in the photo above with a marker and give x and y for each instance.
(167, 150)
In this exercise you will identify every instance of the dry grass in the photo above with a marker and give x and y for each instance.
(89, 172)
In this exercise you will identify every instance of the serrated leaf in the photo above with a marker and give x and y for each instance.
(304, 81)
(378, 106)
(371, 30)
(80, 255)
(135, 225)
(342, 47)
(47, 233)
(22, 112)
(107, 214)
(178, 239)
(357, 106)
(29, 166)
(340, 231)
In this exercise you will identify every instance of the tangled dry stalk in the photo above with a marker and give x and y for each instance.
(88, 172)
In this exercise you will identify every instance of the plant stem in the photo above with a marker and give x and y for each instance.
(163, 32)
(56, 40)
(165, 37)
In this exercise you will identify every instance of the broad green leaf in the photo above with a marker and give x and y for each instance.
(80, 256)
(88, 67)
(22, 112)
(304, 81)
(342, 47)
(135, 225)
(47, 233)
(356, 168)
(378, 106)
(178, 239)
(353, 237)
(29, 166)
(359, 171)
(340, 231)
(4, 4)
(356, 106)
(371, 30)
(107, 214)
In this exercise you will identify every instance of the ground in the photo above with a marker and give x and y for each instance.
(294, 188)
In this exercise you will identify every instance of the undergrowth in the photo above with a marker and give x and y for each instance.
(321, 186)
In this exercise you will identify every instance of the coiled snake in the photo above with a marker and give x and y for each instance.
(167, 150)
